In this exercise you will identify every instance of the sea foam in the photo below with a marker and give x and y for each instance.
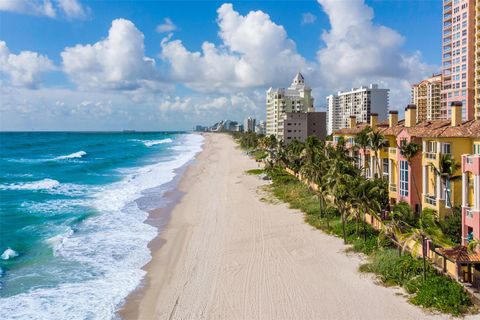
(151, 143)
(32, 185)
(74, 155)
(9, 254)
(113, 243)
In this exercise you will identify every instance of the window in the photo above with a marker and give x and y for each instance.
(404, 178)
(446, 148)
(448, 193)
(432, 147)
(476, 149)
(385, 167)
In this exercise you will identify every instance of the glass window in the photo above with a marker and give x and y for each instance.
(404, 178)
(385, 167)
(476, 148)
(446, 148)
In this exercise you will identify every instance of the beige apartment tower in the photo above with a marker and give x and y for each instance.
(458, 57)
(426, 95)
(296, 98)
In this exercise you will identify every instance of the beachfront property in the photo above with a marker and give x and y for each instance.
(453, 138)
(226, 126)
(260, 128)
(333, 114)
(249, 124)
(359, 102)
(425, 181)
(300, 125)
(296, 98)
(477, 61)
(458, 57)
(426, 95)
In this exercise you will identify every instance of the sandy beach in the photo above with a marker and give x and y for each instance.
(226, 254)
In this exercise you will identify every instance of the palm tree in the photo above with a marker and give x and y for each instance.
(377, 142)
(339, 181)
(447, 168)
(362, 140)
(427, 228)
(409, 151)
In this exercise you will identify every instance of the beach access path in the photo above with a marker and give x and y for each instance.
(226, 254)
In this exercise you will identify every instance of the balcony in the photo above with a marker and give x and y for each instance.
(393, 187)
(471, 163)
(431, 155)
(431, 200)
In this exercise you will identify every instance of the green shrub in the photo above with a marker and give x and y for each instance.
(442, 294)
(255, 171)
(395, 269)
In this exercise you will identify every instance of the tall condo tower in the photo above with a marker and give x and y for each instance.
(359, 102)
(296, 98)
(426, 95)
(458, 57)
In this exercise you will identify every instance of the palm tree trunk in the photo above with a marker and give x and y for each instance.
(424, 255)
(377, 155)
(364, 228)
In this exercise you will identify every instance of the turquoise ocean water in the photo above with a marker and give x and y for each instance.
(73, 206)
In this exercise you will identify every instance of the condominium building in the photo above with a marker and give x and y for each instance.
(359, 102)
(260, 128)
(249, 124)
(300, 125)
(477, 61)
(296, 98)
(426, 95)
(458, 57)
(333, 114)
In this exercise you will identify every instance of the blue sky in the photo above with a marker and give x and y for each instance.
(175, 83)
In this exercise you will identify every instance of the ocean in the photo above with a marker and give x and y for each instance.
(73, 236)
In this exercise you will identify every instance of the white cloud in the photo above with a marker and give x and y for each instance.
(357, 51)
(23, 69)
(47, 8)
(117, 62)
(308, 18)
(254, 52)
(33, 7)
(73, 9)
(166, 26)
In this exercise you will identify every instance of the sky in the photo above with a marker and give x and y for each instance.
(169, 65)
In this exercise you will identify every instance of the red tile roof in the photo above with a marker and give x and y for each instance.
(426, 129)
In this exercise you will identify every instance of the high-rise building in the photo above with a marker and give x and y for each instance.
(260, 128)
(249, 124)
(296, 98)
(426, 95)
(359, 102)
(477, 62)
(333, 114)
(458, 57)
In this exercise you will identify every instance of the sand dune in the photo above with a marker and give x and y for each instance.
(229, 255)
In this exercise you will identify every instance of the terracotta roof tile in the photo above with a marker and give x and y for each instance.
(426, 129)
(460, 254)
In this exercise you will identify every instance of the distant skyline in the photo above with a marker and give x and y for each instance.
(163, 65)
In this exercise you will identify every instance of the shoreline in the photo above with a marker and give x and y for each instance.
(238, 257)
(158, 218)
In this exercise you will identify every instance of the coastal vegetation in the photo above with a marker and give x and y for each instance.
(336, 198)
